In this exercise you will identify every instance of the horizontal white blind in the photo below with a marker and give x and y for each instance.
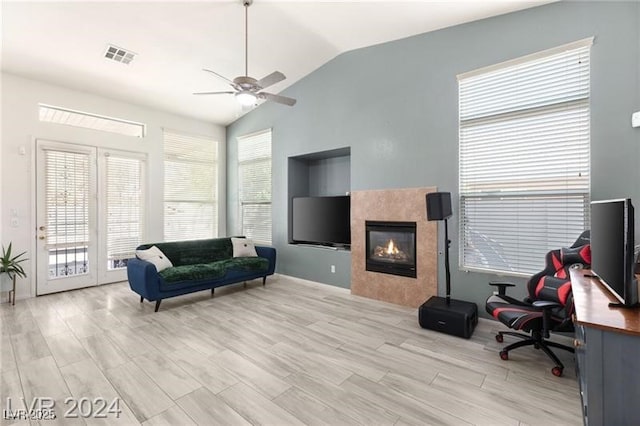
(190, 187)
(68, 187)
(254, 176)
(524, 161)
(125, 208)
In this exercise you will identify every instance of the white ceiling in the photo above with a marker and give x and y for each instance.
(64, 42)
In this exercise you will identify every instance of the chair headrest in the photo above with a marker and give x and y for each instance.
(576, 255)
(583, 239)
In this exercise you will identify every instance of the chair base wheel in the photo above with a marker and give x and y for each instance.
(499, 338)
(557, 371)
(504, 355)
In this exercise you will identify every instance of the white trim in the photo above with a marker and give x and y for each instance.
(527, 58)
(256, 133)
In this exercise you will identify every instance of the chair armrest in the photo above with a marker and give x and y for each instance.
(544, 304)
(502, 287)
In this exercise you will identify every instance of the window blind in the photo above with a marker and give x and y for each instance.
(67, 199)
(190, 187)
(524, 175)
(125, 208)
(68, 192)
(254, 177)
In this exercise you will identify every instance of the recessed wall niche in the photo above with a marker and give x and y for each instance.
(318, 174)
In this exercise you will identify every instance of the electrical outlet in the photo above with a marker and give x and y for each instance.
(333, 269)
(14, 222)
(635, 119)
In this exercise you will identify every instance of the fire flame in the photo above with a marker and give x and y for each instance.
(391, 248)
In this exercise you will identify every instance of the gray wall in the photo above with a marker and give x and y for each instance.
(396, 106)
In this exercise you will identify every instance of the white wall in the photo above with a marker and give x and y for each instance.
(21, 127)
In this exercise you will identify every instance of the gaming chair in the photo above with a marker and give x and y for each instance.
(549, 305)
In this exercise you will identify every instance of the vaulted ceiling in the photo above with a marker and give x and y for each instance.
(64, 42)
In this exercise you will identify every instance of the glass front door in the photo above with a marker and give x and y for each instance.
(66, 217)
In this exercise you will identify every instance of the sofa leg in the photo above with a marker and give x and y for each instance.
(212, 291)
(157, 305)
(264, 280)
(141, 299)
(244, 284)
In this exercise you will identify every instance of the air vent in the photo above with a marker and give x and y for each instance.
(53, 114)
(118, 54)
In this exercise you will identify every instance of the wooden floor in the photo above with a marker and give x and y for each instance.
(292, 352)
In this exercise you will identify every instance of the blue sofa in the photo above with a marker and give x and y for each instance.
(197, 265)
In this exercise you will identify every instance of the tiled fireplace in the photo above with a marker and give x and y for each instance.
(395, 260)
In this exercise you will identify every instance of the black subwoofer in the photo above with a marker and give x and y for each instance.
(455, 317)
(438, 205)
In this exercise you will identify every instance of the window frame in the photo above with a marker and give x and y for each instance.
(248, 202)
(507, 192)
(207, 159)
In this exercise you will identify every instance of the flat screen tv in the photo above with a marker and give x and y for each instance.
(322, 220)
(612, 248)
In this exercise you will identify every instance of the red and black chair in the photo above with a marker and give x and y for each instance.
(549, 306)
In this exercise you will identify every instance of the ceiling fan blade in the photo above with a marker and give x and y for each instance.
(219, 75)
(277, 98)
(214, 93)
(271, 79)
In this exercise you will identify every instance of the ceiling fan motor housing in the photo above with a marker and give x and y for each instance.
(247, 83)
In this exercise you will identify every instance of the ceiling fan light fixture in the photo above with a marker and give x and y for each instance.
(246, 97)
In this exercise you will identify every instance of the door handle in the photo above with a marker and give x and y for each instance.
(41, 237)
(42, 228)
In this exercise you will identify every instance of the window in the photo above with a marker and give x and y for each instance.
(190, 187)
(68, 183)
(69, 117)
(524, 159)
(254, 177)
(124, 173)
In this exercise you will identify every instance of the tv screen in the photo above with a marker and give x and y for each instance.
(612, 244)
(321, 220)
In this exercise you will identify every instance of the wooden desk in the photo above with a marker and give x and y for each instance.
(607, 354)
(591, 301)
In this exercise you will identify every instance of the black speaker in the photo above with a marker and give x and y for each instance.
(438, 205)
(455, 317)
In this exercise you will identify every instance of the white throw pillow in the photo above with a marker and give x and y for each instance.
(155, 256)
(243, 247)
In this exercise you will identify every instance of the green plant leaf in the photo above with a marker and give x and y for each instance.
(11, 265)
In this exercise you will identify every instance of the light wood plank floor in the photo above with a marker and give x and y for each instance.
(293, 352)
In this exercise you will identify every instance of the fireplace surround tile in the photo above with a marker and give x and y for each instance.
(401, 205)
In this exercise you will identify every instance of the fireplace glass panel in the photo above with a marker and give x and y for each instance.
(391, 248)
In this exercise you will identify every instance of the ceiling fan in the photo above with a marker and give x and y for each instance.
(248, 90)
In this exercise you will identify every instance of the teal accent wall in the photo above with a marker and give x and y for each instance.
(396, 106)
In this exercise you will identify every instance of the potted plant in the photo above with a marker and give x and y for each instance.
(12, 268)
